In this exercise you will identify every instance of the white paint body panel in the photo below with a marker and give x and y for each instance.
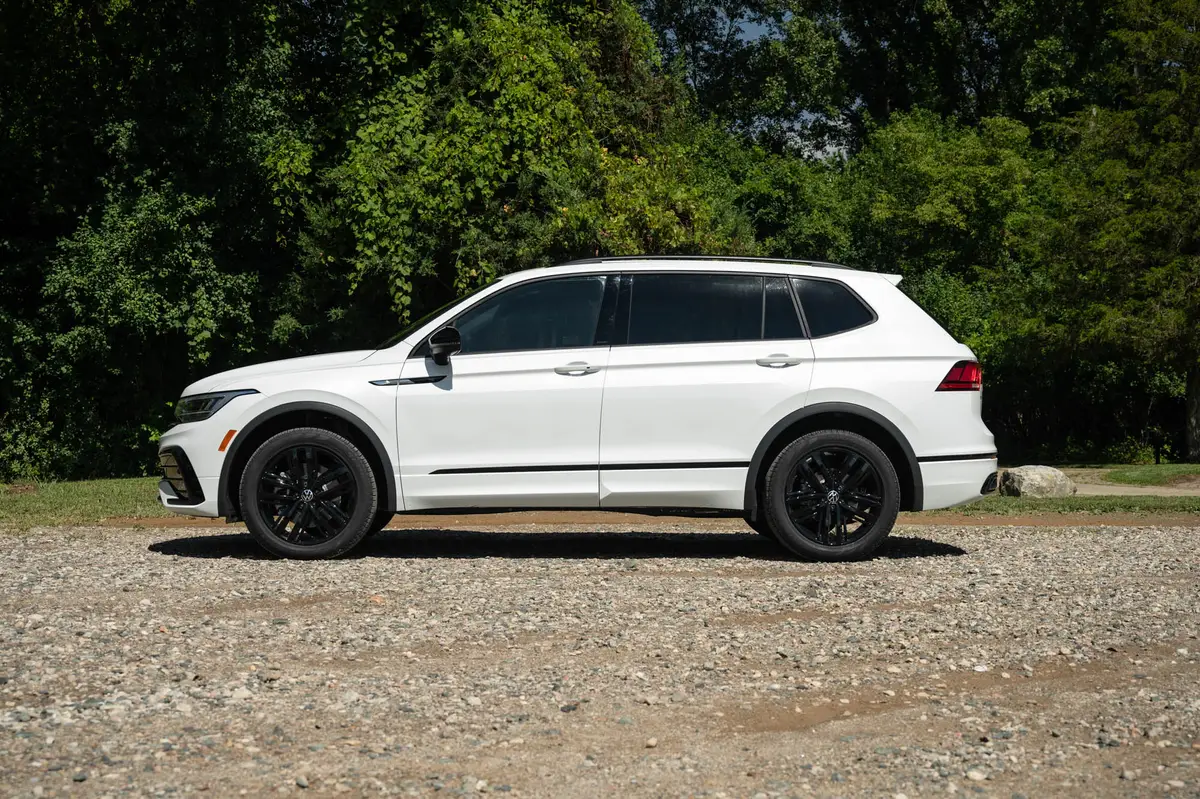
(511, 414)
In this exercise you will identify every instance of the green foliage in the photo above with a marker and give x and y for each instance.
(187, 191)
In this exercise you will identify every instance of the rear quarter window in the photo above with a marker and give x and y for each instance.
(830, 308)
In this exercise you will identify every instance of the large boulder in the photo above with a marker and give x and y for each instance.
(1035, 481)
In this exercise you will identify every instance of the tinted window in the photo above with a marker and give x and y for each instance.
(830, 307)
(781, 319)
(683, 308)
(548, 314)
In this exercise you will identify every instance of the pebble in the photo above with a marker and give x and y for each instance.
(975, 775)
(302, 781)
(651, 743)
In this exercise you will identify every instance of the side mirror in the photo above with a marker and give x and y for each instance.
(443, 343)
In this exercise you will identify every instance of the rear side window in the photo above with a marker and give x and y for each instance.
(687, 308)
(830, 307)
(780, 319)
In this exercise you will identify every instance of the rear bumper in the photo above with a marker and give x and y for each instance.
(950, 482)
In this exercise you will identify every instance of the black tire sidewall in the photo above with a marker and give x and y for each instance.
(366, 502)
(776, 512)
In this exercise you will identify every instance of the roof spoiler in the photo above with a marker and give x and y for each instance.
(893, 279)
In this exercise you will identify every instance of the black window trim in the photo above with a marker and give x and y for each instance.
(626, 304)
(422, 349)
(804, 317)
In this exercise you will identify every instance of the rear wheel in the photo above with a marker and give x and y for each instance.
(308, 493)
(831, 495)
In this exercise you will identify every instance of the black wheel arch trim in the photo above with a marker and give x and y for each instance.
(388, 489)
(760, 453)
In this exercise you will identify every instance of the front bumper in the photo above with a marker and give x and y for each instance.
(191, 468)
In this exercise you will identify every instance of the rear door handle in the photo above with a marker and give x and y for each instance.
(576, 368)
(778, 360)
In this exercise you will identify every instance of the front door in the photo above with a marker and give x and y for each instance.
(710, 362)
(514, 419)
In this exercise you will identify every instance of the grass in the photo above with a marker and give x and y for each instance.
(1023, 506)
(92, 501)
(1161, 475)
(83, 502)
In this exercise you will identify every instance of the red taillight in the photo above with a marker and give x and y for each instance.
(963, 376)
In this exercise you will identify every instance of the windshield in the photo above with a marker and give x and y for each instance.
(424, 320)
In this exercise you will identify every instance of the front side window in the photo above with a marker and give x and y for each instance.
(542, 315)
(830, 307)
(689, 308)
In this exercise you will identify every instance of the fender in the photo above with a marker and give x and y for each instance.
(388, 490)
(756, 463)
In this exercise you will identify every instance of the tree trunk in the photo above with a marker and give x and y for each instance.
(1192, 409)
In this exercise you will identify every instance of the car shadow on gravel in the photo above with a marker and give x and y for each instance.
(564, 545)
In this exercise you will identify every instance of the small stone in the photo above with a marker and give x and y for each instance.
(975, 775)
(241, 692)
(651, 743)
(1176, 783)
(302, 781)
(568, 708)
(80, 777)
(474, 701)
(981, 668)
(893, 669)
(1128, 775)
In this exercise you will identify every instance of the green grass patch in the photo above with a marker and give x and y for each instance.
(83, 502)
(1023, 506)
(1164, 474)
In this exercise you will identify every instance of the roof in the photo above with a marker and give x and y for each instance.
(705, 263)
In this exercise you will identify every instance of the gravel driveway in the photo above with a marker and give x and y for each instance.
(665, 657)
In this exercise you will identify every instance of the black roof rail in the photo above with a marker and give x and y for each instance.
(752, 258)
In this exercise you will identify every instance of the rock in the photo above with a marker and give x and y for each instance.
(81, 777)
(474, 701)
(975, 775)
(302, 781)
(241, 692)
(1128, 775)
(651, 743)
(1035, 481)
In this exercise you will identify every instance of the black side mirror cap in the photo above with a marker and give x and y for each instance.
(443, 343)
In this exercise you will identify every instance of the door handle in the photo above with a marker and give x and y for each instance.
(778, 360)
(576, 368)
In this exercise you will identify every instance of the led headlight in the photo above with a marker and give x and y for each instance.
(199, 407)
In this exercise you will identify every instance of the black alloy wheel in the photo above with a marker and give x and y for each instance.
(308, 493)
(832, 495)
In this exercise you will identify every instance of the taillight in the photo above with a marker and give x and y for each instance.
(963, 376)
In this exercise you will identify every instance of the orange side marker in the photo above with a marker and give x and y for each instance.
(225, 441)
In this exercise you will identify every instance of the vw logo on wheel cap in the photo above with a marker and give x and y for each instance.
(832, 497)
(307, 495)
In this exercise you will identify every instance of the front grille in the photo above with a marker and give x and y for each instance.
(989, 485)
(178, 472)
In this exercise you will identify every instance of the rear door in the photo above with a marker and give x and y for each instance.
(703, 364)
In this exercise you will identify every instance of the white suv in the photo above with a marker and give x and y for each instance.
(817, 401)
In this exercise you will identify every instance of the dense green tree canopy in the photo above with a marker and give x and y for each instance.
(190, 186)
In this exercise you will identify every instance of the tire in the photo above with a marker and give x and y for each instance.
(291, 512)
(831, 495)
(380, 521)
(759, 526)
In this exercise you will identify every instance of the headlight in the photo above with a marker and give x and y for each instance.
(199, 407)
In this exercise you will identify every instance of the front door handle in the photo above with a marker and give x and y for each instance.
(778, 360)
(576, 368)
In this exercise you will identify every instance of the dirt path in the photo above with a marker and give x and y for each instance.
(587, 658)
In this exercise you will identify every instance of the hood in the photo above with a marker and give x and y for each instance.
(245, 376)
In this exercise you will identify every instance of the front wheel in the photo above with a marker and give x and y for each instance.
(308, 493)
(832, 495)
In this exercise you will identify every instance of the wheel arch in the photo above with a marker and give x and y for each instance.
(302, 414)
(837, 416)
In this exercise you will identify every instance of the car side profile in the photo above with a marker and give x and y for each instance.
(816, 401)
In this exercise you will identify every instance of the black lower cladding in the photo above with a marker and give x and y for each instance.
(178, 472)
(989, 485)
(307, 495)
(834, 496)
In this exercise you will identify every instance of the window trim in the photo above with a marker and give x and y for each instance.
(422, 349)
(804, 316)
(625, 307)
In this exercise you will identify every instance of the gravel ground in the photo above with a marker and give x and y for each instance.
(665, 658)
